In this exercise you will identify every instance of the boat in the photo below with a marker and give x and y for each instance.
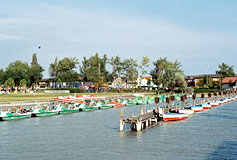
(85, 107)
(43, 111)
(214, 103)
(206, 106)
(220, 102)
(102, 105)
(69, 109)
(187, 111)
(7, 115)
(197, 108)
(174, 116)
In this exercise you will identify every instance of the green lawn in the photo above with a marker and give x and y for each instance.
(47, 96)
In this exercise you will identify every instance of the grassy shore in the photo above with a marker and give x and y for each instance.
(47, 96)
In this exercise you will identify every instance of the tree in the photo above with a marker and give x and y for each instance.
(22, 83)
(225, 71)
(117, 66)
(64, 69)
(53, 69)
(165, 72)
(35, 71)
(144, 64)
(160, 65)
(94, 69)
(1, 76)
(130, 71)
(17, 70)
(10, 82)
(178, 82)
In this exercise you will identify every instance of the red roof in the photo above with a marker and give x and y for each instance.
(228, 79)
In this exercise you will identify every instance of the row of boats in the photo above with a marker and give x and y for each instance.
(72, 104)
(185, 112)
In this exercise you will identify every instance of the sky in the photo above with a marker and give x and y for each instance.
(201, 34)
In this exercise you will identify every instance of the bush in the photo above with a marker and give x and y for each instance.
(204, 90)
(72, 90)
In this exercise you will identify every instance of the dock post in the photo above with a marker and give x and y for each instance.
(141, 112)
(139, 126)
(131, 114)
(121, 120)
(147, 123)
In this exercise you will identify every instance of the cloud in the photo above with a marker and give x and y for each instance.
(81, 32)
(9, 37)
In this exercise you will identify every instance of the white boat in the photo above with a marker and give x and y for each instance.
(187, 111)
(206, 106)
(214, 103)
(220, 102)
(174, 116)
(197, 108)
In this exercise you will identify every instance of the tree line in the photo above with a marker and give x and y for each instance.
(165, 74)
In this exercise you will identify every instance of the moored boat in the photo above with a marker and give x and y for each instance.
(43, 111)
(206, 106)
(174, 116)
(197, 108)
(6, 116)
(187, 111)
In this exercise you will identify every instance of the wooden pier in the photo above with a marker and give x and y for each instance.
(152, 117)
(141, 121)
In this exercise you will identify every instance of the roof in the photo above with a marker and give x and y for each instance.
(228, 79)
(201, 76)
(147, 78)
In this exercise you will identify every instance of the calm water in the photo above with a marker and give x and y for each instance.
(211, 134)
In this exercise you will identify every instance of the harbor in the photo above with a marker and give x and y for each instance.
(68, 136)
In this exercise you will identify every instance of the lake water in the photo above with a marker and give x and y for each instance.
(211, 134)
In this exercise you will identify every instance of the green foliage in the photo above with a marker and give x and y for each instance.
(94, 69)
(10, 82)
(169, 74)
(1, 76)
(69, 76)
(205, 90)
(130, 71)
(225, 70)
(23, 83)
(17, 71)
(72, 90)
(116, 64)
(36, 70)
(64, 70)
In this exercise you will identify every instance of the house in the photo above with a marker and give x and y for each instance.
(194, 80)
(118, 83)
(145, 82)
(229, 82)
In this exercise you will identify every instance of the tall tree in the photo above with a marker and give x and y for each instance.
(53, 70)
(225, 70)
(1, 76)
(143, 66)
(160, 66)
(117, 66)
(130, 71)
(35, 70)
(165, 72)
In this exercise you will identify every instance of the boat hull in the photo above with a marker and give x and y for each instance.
(68, 111)
(174, 117)
(8, 118)
(43, 114)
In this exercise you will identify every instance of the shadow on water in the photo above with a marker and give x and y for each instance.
(227, 150)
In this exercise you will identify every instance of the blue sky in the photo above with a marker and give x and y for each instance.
(195, 32)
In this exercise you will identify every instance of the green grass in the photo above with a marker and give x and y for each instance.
(47, 96)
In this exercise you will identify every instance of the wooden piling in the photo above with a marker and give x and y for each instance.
(121, 120)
